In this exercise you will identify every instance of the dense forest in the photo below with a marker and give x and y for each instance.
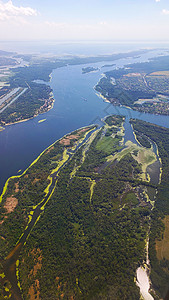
(159, 268)
(36, 99)
(91, 232)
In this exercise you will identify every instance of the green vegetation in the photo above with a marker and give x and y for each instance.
(142, 139)
(37, 99)
(116, 120)
(106, 144)
(144, 157)
(92, 230)
(131, 198)
(7, 61)
(89, 69)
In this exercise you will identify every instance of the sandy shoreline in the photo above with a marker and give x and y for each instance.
(143, 283)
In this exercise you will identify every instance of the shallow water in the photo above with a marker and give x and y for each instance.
(143, 283)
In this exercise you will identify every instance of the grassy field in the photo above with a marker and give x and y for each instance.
(143, 156)
(131, 198)
(141, 101)
(107, 144)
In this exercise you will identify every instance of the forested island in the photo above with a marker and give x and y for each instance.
(89, 69)
(141, 86)
(76, 223)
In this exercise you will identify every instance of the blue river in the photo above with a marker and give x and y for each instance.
(76, 105)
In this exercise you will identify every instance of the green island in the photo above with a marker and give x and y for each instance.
(75, 224)
(105, 66)
(89, 69)
(140, 86)
(1, 128)
(41, 121)
(37, 98)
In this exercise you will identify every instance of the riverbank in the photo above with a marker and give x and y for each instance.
(42, 110)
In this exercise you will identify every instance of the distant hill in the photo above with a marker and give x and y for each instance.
(7, 61)
(2, 53)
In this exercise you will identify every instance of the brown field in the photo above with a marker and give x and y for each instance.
(16, 187)
(34, 293)
(66, 141)
(133, 75)
(10, 204)
(160, 73)
(34, 290)
(51, 148)
(162, 247)
(35, 180)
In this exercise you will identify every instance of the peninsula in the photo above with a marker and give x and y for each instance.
(140, 86)
(88, 202)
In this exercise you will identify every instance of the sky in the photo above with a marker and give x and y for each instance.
(84, 20)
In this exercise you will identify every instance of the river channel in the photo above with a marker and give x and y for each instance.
(76, 105)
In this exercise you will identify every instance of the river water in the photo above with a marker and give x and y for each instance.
(76, 105)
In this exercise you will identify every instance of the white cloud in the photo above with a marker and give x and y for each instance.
(165, 12)
(157, 0)
(9, 11)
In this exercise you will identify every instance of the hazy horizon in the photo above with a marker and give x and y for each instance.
(84, 20)
(79, 48)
